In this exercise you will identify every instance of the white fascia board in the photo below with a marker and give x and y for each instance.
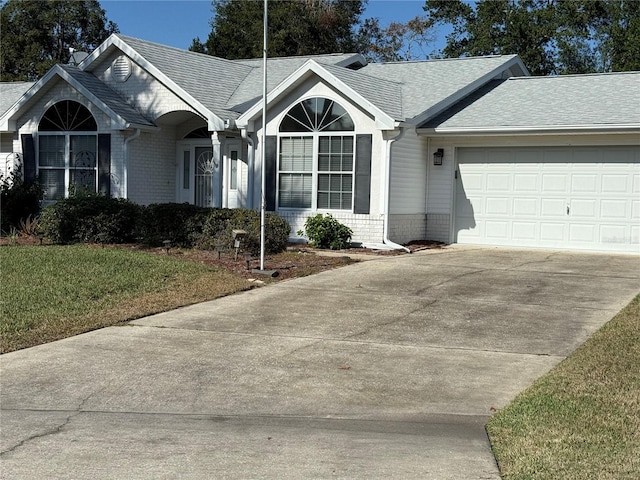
(214, 122)
(532, 130)
(469, 89)
(383, 121)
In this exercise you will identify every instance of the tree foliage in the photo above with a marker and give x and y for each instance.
(397, 41)
(37, 34)
(551, 36)
(296, 27)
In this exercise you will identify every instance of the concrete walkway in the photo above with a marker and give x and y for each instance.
(383, 369)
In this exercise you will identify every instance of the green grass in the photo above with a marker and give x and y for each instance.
(53, 292)
(582, 419)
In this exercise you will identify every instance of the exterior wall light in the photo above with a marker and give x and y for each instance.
(438, 155)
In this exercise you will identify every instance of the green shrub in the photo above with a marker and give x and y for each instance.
(219, 226)
(327, 232)
(182, 223)
(17, 200)
(90, 217)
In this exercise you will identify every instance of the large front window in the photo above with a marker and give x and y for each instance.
(316, 157)
(67, 149)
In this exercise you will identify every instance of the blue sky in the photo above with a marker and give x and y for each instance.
(177, 22)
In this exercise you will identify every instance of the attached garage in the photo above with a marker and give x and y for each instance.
(581, 198)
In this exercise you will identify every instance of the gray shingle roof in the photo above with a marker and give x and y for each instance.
(427, 83)
(278, 69)
(210, 80)
(109, 97)
(10, 93)
(545, 102)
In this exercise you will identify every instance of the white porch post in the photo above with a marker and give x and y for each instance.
(216, 177)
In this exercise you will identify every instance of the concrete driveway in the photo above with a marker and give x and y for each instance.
(384, 369)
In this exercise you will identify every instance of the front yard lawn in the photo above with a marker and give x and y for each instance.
(52, 292)
(582, 419)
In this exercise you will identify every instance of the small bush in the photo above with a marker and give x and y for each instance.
(90, 217)
(18, 201)
(219, 226)
(327, 232)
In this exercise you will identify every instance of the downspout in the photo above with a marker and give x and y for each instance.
(251, 165)
(387, 194)
(126, 162)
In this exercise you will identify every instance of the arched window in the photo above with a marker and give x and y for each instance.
(316, 156)
(201, 132)
(67, 149)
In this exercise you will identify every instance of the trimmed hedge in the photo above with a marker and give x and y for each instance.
(327, 232)
(90, 217)
(179, 222)
(95, 218)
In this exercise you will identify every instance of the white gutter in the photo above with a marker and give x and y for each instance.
(387, 193)
(533, 130)
(250, 164)
(126, 162)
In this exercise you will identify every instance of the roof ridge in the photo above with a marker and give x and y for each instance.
(434, 60)
(333, 54)
(181, 50)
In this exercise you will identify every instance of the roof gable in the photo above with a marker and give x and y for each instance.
(121, 113)
(428, 87)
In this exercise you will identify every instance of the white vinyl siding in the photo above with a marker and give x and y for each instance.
(408, 174)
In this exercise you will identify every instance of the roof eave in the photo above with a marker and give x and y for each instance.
(533, 130)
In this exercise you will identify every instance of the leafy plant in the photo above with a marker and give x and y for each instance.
(30, 226)
(219, 226)
(326, 232)
(18, 200)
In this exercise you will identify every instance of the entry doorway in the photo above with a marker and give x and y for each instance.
(195, 173)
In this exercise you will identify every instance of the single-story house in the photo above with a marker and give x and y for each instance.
(470, 150)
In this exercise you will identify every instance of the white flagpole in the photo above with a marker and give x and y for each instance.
(264, 137)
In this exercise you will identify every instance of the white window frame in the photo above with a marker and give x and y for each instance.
(315, 173)
(67, 159)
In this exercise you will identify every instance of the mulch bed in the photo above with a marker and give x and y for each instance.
(299, 260)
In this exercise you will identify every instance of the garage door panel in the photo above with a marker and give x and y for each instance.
(583, 183)
(497, 229)
(554, 183)
(497, 206)
(553, 207)
(612, 234)
(553, 232)
(584, 233)
(635, 210)
(524, 231)
(566, 197)
(584, 208)
(614, 209)
(525, 182)
(525, 207)
(616, 183)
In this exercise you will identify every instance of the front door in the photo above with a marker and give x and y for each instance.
(195, 174)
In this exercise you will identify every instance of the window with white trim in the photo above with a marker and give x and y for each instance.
(316, 156)
(67, 149)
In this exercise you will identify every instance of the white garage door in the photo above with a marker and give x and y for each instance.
(576, 198)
